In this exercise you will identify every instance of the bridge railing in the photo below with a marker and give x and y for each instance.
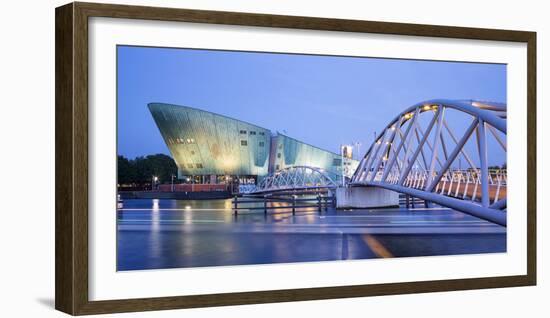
(464, 184)
(282, 203)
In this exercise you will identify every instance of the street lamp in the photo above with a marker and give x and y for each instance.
(358, 145)
(154, 181)
(342, 165)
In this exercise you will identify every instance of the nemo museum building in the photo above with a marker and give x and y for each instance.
(212, 148)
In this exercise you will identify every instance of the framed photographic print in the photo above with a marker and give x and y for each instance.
(211, 158)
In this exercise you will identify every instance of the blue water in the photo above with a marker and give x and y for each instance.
(154, 234)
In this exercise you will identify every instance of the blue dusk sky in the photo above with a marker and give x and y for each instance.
(325, 101)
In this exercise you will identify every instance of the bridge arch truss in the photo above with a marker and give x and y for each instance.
(422, 151)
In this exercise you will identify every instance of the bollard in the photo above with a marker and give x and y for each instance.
(294, 205)
(265, 206)
(235, 202)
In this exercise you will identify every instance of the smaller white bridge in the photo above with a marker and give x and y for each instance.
(295, 178)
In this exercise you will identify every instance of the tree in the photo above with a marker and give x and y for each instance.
(162, 166)
(141, 170)
(126, 171)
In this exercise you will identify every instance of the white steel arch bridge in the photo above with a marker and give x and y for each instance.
(426, 162)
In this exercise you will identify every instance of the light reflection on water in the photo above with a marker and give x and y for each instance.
(171, 233)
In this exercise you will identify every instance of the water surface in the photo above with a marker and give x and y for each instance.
(154, 234)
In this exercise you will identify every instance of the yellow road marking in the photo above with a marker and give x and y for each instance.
(376, 246)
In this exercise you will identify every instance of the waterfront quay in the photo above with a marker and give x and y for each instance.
(165, 233)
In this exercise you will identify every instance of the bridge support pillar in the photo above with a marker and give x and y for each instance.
(365, 197)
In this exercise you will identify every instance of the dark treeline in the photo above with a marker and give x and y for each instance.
(140, 171)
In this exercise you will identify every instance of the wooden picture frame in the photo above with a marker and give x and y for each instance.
(71, 124)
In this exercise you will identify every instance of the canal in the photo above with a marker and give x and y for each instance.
(155, 234)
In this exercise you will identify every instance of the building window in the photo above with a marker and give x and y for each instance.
(261, 133)
(189, 140)
(277, 167)
(336, 162)
(244, 143)
(198, 165)
(261, 143)
(252, 132)
(192, 152)
(243, 132)
(190, 166)
(279, 155)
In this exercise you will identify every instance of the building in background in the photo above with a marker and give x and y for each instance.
(287, 152)
(347, 151)
(212, 148)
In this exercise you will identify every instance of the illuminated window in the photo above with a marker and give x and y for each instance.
(244, 143)
(243, 132)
